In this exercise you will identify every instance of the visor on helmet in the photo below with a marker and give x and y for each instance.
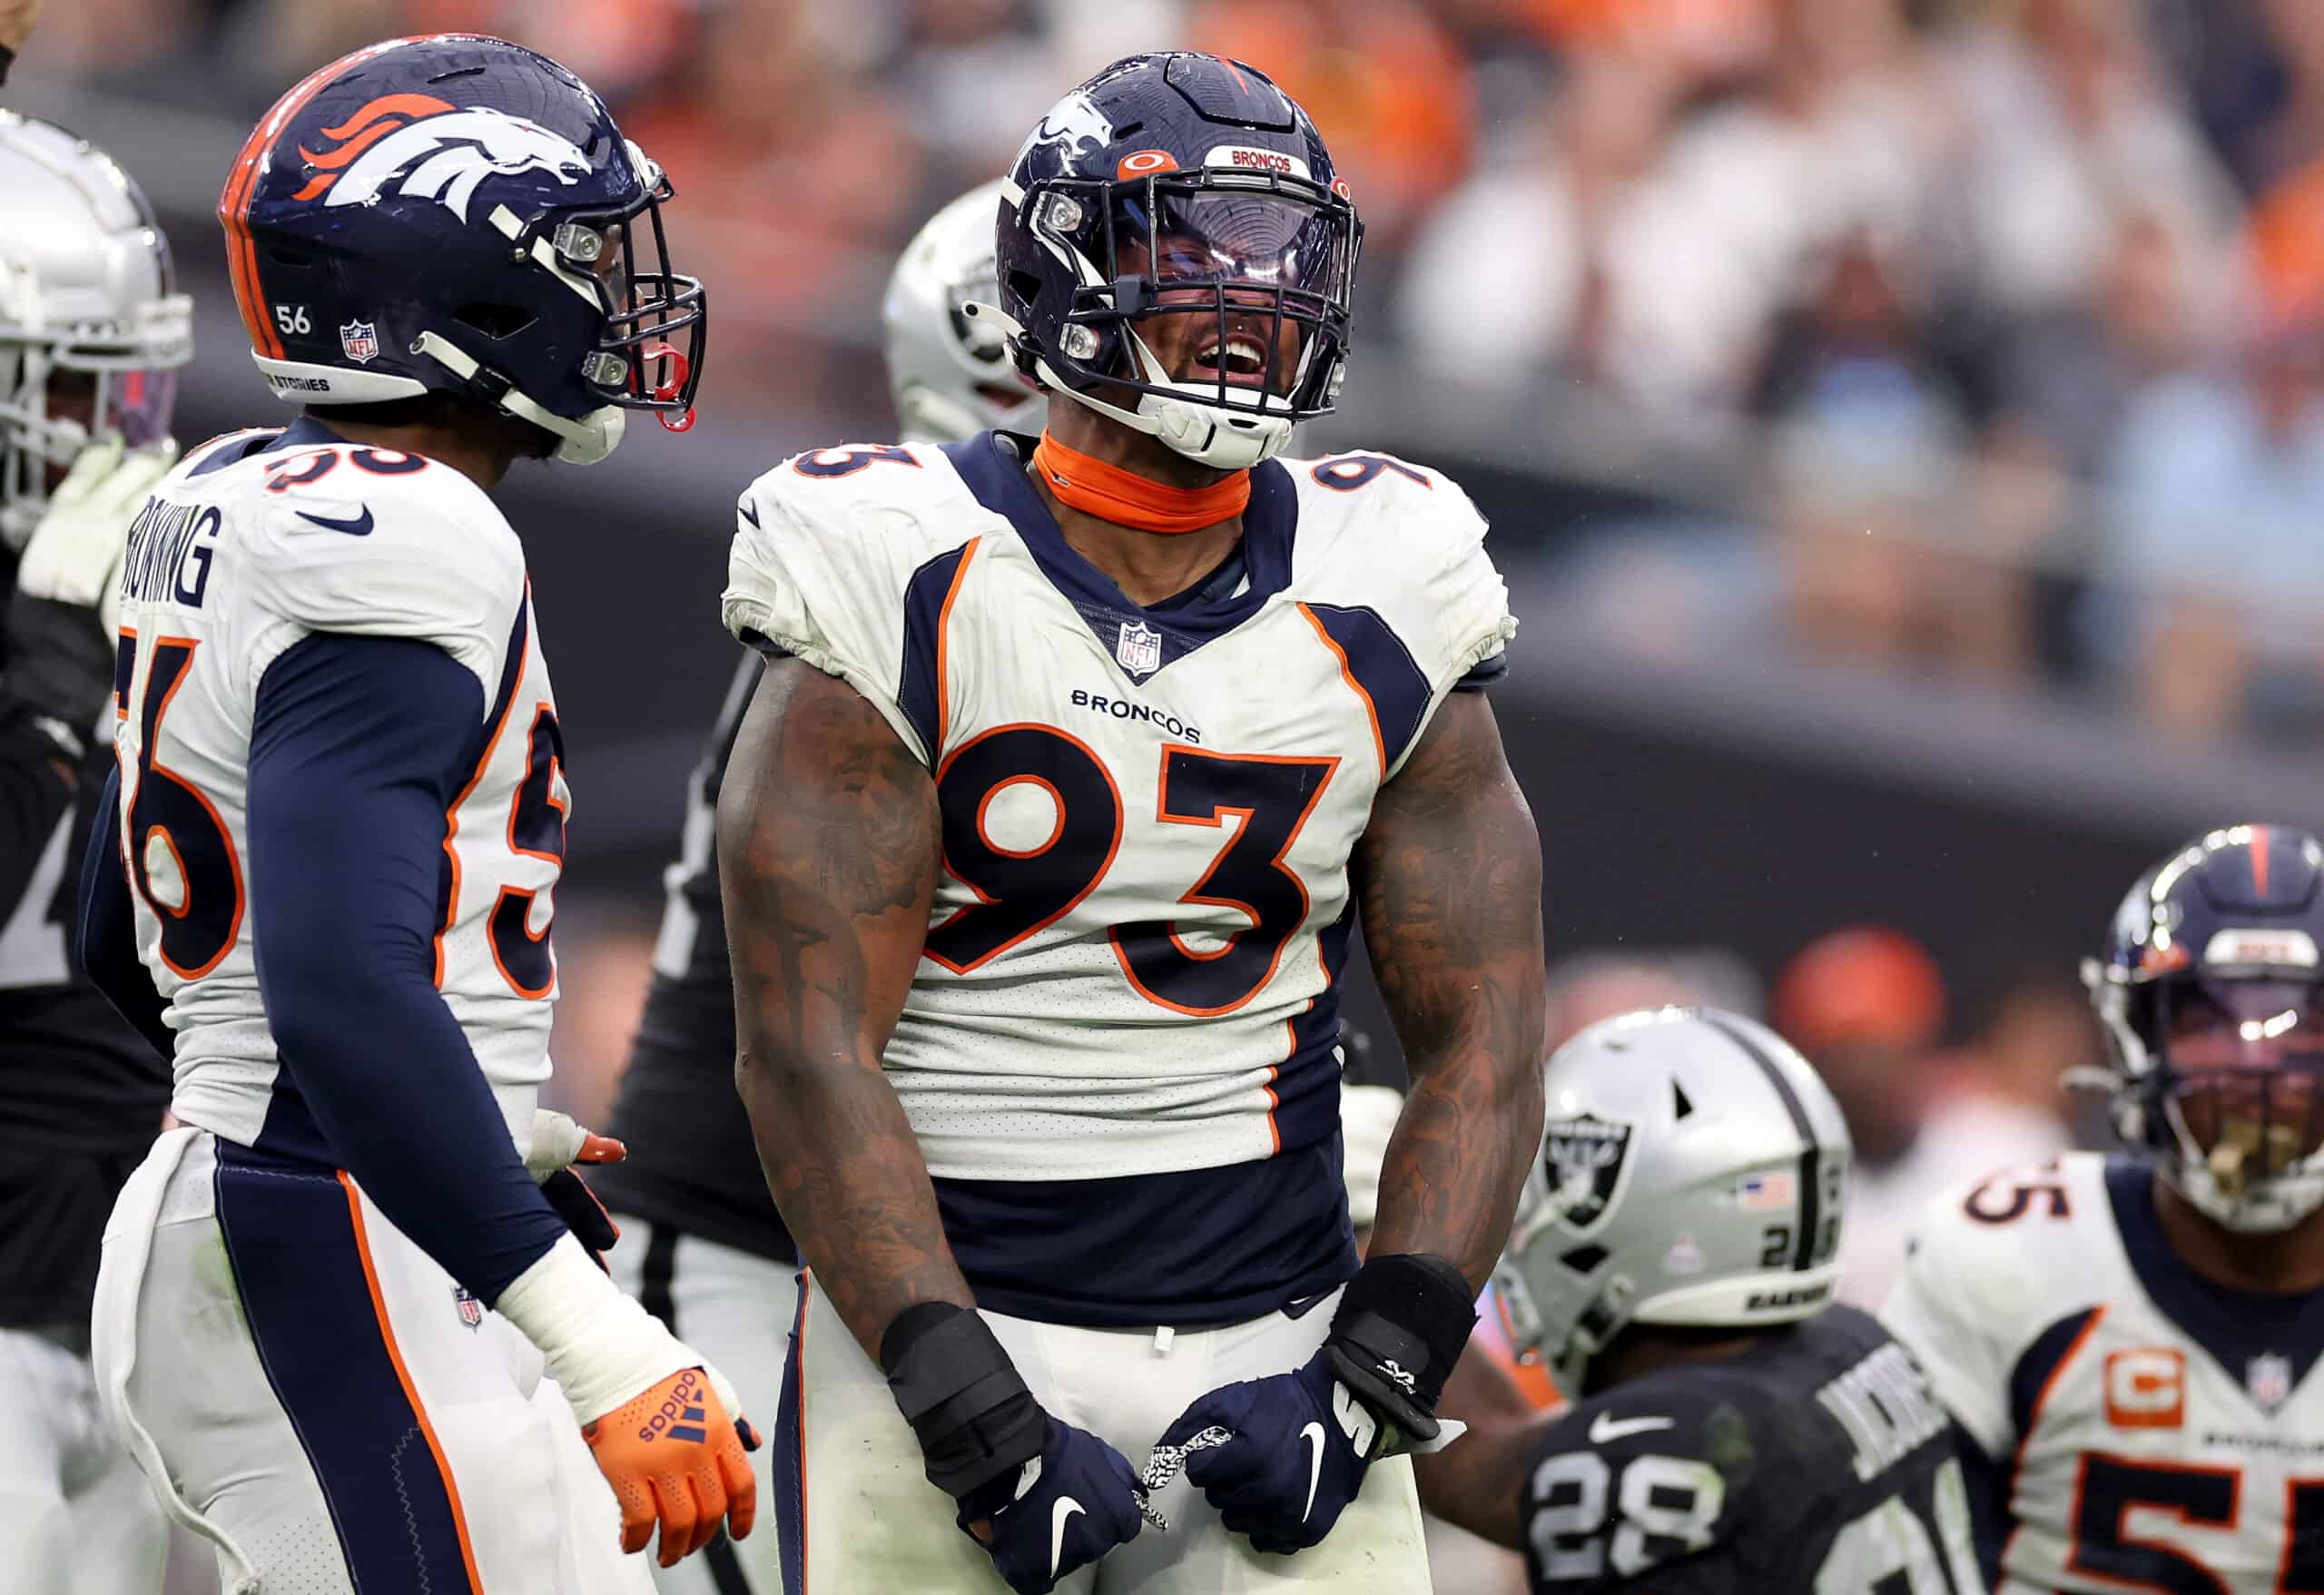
(1262, 265)
(2243, 1075)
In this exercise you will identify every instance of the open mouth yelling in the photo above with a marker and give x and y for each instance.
(1240, 360)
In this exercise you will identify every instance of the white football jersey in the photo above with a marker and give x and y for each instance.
(2152, 1430)
(1148, 813)
(255, 541)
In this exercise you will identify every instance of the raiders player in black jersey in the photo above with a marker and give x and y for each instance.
(90, 335)
(1674, 1259)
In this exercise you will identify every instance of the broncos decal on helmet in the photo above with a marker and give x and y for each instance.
(439, 151)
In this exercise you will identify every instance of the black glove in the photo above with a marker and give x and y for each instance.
(582, 1214)
(1043, 1497)
(60, 671)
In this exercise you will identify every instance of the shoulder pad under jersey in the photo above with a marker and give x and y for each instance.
(384, 545)
(826, 548)
(1989, 1268)
(1380, 533)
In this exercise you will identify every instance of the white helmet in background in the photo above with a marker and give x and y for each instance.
(951, 377)
(86, 290)
(1692, 1171)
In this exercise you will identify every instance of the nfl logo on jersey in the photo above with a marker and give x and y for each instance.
(1139, 647)
(2267, 1377)
(360, 339)
(471, 1310)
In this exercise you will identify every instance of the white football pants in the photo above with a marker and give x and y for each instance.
(844, 1480)
(76, 1517)
(309, 1391)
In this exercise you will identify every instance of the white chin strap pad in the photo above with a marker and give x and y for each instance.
(1199, 431)
(1223, 439)
(583, 442)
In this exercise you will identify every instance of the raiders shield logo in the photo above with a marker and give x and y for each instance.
(1585, 1158)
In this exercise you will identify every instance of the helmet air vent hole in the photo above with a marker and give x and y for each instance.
(1584, 1259)
(494, 320)
(1679, 1107)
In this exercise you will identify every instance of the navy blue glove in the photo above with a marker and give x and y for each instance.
(1297, 1449)
(1061, 1511)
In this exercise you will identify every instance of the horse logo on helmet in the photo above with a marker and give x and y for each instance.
(420, 147)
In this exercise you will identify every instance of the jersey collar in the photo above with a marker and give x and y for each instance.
(2242, 1331)
(993, 467)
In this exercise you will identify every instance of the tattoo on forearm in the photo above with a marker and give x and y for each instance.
(829, 839)
(1449, 878)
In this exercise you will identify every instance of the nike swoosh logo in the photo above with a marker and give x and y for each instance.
(1605, 1428)
(360, 526)
(1313, 1436)
(1058, 1514)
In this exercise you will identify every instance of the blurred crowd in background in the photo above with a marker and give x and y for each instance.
(1996, 326)
(2015, 308)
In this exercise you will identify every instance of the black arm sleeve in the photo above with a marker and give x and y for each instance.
(107, 939)
(358, 749)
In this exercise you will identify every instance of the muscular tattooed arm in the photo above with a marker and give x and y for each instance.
(828, 840)
(1449, 880)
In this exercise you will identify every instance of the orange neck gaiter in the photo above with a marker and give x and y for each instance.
(1128, 499)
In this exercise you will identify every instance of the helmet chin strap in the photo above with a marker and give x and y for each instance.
(1227, 440)
(583, 442)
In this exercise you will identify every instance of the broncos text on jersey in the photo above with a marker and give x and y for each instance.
(1148, 811)
(1817, 1459)
(2150, 1430)
(255, 541)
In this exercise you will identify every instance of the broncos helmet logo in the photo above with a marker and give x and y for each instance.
(422, 147)
(1076, 127)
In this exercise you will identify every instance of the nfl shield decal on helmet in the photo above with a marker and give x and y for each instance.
(360, 339)
(1139, 647)
(471, 1310)
(1584, 1157)
(2267, 1377)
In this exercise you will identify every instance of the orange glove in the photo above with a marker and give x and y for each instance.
(676, 1459)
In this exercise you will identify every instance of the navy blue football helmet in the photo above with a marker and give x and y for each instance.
(456, 214)
(1181, 199)
(2211, 994)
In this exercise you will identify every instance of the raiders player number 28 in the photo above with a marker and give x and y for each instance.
(1674, 1260)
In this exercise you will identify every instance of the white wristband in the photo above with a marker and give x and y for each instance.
(601, 1347)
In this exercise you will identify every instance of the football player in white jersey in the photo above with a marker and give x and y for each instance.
(2130, 1343)
(345, 1333)
(1040, 845)
(703, 1246)
(91, 332)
